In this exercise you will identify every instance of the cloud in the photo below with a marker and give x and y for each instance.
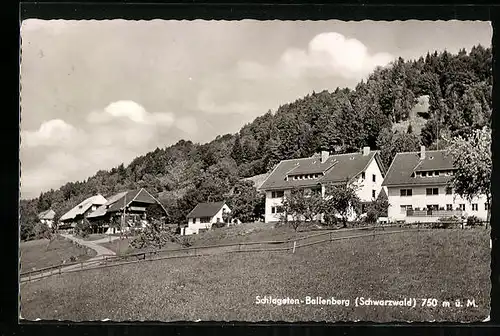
(118, 133)
(127, 109)
(327, 55)
(51, 133)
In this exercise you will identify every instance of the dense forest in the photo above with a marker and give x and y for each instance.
(459, 91)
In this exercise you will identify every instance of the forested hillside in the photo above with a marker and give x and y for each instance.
(459, 87)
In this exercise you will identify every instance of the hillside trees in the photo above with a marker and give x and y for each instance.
(460, 97)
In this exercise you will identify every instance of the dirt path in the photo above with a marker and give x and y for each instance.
(94, 245)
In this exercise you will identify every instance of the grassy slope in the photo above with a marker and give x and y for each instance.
(442, 264)
(227, 235)
(35, 254)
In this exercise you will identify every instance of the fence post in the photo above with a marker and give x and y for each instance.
(294, 244)
(331, 236)
(29, 276)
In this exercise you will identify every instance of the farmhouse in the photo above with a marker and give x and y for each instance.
(47, 217)
(132, 204)
(203, 216)
(362, 169)
(81, 211)
(419, 191)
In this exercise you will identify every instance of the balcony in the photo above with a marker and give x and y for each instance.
(433, 213)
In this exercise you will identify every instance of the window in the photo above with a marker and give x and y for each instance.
(424, 174)
(486, 206)
(276, 209)
(374, 178)
(205, 219)
(405, 192)
(461, 207)
(277, 194)
(448, 190)
(449, 207)
(363, 175)
(432, 191)
(405, 208)
(436, 173)
(474, 206)
(373, 193)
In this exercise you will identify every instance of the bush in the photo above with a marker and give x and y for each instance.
(453, 219)
(473, 221)
(83, 228)
(330, 219)
(218, 225)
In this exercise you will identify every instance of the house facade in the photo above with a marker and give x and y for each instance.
(203, 216)
(419, 189)
(81, 211)
(132, 204)
(47, 217)
(363, 170)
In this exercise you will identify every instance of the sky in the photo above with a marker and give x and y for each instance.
(95, 94)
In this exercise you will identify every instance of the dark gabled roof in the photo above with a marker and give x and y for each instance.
(312, 167)
(139, 195)
(339, 168)
(205, 209)
(116, 202)
(403, 166)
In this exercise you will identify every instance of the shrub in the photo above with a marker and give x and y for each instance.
(473, 221)
(453, 219)
(218, 225)
(83, 228)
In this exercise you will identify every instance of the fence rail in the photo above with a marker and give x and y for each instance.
(196, 251)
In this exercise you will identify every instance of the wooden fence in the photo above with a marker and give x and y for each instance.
(290, 244)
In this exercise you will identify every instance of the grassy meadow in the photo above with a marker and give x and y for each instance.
(440, 264)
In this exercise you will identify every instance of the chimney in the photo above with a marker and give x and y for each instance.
(324, 156)
(366, 151)
(422, 152)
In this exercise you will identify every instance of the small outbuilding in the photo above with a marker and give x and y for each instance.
(204, 215)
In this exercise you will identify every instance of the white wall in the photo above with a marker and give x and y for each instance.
(367, 185)
(270, 202)
(421, 200)
(195, 224)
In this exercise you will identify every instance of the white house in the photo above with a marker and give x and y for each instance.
(362, 169)
(419, 191)
(47, 217)
(203, 216)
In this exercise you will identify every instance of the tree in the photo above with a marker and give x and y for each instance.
(313, 205)
(28, 219)
(294, 206)
(377, 208)
(154, 236)
(237, 150)
(155, 211)
(391, 143)
(342, 200)
(472, 157)
(245, 201)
